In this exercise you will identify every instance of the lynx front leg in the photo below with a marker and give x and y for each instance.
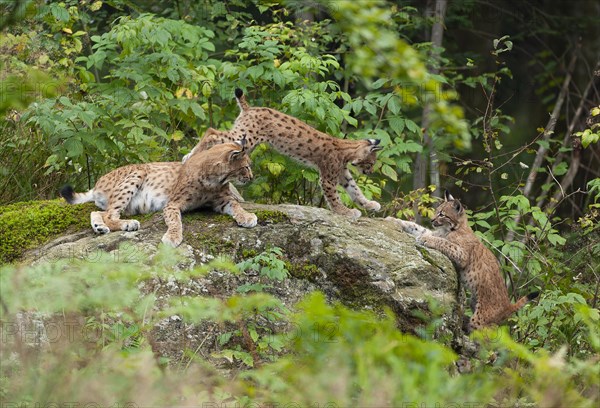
(453, 251)
(333, 200)
(174, 234)
(347, 181)
(409, 227)
(241, 216)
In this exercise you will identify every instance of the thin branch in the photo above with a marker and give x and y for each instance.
(559, 158)
(548, 131)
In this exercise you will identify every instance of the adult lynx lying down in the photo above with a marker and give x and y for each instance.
(478, 267)
(203, 181)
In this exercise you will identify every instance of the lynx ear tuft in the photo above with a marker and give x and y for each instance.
(448, 196)
(242, 142)
(375, 144)
(238, 93)
(458, 206)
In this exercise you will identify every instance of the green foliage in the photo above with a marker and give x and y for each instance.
(108, 358)
(591, 135)
(252, 318)
(558, 319)
(157, 69)
(268, 264)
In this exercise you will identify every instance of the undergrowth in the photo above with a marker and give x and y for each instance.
(91, 327)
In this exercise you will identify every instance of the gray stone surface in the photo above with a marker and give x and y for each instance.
(364, 263)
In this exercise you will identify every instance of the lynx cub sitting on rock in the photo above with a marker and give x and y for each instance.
(477, 266)
(296, 139)
(172, 187)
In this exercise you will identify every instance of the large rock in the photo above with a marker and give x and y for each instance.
(364, 263)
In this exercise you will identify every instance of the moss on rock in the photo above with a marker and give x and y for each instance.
(272, 217)
(29, 224)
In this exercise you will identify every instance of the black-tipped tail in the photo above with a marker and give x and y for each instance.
(241, 99)
(68, 194)
(533, 295)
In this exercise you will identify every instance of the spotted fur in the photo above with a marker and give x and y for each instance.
(300, 141)
(203, 181)
(478, 267)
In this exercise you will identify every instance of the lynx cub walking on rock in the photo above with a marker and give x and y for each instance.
(172, 187)
(477, 265)
(295, 138)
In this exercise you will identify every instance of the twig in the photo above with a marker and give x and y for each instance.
(548, 131)
(568, 134)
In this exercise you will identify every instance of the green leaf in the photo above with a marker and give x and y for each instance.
(388, 171)
(397, 124)
(59, 12)
(412, 126)
(74, 147)
(253, 334)
(561, 169)
(394, 105)
(556, 239)
(483, 223)
(275, 168)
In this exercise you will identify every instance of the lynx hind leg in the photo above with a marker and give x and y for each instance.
(113, 221)
(119, 200)
(97, 221)
(228, 205)
(476, 322)
(211, 137)
(347, 181)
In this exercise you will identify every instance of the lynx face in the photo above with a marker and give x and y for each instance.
(367, 156)
(238, 170)
(448, 215)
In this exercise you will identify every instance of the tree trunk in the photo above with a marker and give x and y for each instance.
(423, 161)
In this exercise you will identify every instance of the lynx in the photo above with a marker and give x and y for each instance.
(477, 266)
(295, 138)
(172, 187)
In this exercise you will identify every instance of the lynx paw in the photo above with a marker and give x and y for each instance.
(395, 221)
(100, 229)
(423, 239)
(171, 240)
(247, 220)
(372, 206)
(349, 212)
(130, 225)
(412, 229)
